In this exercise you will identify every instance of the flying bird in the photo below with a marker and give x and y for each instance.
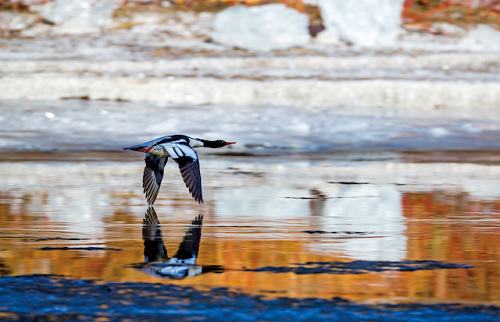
(179, 148)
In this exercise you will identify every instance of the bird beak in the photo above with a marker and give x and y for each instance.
(228, 143)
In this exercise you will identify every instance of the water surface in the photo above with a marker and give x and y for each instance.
(82, 217)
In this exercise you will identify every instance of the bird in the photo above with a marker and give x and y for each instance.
(181, 149)
(183, 263)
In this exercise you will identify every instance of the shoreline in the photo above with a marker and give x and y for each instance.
(81, 300)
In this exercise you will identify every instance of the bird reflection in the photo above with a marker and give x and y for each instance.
(317, 202)
(183, 263)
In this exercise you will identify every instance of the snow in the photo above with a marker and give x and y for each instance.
(14, 22)
(482, 38)
(311, 63)
(327, 37)
(262, 28)
(162, 72)
(78, 17)
(363, 22)
(448, 30)
(202, 91)
(82, 125)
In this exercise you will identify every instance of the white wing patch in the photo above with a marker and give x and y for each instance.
(178, 151)
(178, 261)
(187, 159)
(174, 271)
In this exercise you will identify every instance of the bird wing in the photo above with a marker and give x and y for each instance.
(163, 139)
(187, 159)
(190, 245)
(154, 248)
(153, 174)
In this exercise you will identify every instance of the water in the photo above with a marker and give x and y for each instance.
(265, 212)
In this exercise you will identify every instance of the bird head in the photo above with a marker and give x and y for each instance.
(216, 143)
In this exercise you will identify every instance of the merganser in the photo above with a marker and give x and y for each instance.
(183, 264)
(179, 148)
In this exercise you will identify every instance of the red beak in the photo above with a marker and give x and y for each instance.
(228, 143)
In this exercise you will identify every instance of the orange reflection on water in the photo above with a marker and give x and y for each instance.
(452, 227)
(440, 225)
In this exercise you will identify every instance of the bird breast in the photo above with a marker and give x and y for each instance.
(159, 150)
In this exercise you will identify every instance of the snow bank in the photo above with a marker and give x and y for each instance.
(371, 93)
(261, 28)
(79, 125)
(471, 60)
(482, 38)
(363, 22)
(80, 16)
(11, 21)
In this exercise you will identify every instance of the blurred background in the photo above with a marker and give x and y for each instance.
(385, 74)
(365, 130)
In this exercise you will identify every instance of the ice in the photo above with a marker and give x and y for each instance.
(262, 28)
(80, 16)
(327, 37)
(297, 100)
(229, 65)
(363, 22)
(482, 38)
(374, 93)
(16, 22)
(448, 30)
(82, 125)
(438, 132)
